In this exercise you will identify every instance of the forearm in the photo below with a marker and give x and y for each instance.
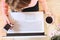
(44, 5)
(5, 11)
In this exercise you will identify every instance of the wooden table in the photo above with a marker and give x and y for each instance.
(54, 6)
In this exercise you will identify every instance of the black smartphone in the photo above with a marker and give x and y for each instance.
(7, 27)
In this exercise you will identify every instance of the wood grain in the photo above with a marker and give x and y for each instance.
(54, 6)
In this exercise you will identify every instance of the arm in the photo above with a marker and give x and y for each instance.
(44, 5)
(5, 13)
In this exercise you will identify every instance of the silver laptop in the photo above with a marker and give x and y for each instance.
(27, 23)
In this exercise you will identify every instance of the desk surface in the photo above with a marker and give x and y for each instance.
(54, 6)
